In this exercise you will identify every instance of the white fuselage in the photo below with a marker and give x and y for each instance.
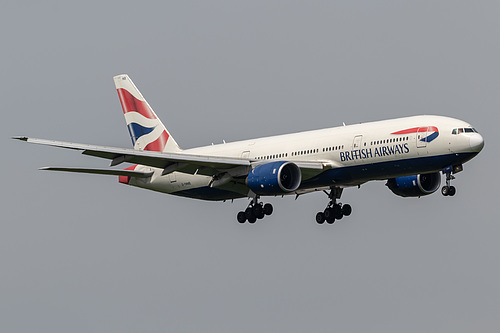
(351, 155)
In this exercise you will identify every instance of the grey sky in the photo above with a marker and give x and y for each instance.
(85, 254)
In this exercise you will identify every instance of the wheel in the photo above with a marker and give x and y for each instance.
(268, 209)
(329, 214)
(241, 217)
(320, 218)
(252, 219)
(249, 213)
(452, 191)
(445, 190)
(346, 210)
(258, 211)
(337, 209)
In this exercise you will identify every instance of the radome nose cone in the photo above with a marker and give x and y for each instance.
(476, 142)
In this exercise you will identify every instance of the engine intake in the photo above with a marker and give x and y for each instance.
(416, 185)
(274, 178)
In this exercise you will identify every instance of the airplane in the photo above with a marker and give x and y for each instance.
(408, 153)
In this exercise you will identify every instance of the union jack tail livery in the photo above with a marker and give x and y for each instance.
(146, 129)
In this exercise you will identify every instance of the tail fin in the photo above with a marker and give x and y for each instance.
(146, 129)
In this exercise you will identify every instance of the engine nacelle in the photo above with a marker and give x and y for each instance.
(416, 185)
(274, 178)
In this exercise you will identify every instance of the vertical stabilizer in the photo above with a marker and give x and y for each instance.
(146, 129)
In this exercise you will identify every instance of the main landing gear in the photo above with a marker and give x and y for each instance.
(255, 210)
(333, 211)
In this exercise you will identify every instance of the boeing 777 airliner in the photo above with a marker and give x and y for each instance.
(410, 153)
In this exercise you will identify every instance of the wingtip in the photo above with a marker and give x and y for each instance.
(22, 138)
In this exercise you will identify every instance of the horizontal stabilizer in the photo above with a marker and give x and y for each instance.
(112, 172)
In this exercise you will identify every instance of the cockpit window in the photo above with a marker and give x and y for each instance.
(463, 130)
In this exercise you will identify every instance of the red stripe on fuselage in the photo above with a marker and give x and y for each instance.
(132, 104)
(407, 131)
(417, 130)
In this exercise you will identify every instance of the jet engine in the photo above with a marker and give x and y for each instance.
(274, 178)
(416, 185)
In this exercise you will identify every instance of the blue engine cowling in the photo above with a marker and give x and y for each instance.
(274, 178)
(416, 185)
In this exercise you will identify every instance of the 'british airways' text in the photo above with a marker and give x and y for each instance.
(361, 154)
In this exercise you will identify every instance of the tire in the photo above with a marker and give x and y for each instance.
(330, 220)
(249, 213)
(258, 211)
(452, 191)
(320, 218)
(338, 212)
(241, 217)
(346, 210)
(252, 219)
(445, 191)
(329, 214)
(268, 209)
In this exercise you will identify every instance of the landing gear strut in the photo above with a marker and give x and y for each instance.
(333, 211)
(255, 210)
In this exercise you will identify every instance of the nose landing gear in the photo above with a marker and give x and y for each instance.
(333, 211)
(448, 189)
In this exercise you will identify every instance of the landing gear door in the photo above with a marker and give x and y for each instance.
(422, 137)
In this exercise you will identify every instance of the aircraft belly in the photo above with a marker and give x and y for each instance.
(172, 182)
(359, 174)
(188, 185)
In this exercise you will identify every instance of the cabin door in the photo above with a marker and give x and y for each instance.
(422, 137)
(356, 144)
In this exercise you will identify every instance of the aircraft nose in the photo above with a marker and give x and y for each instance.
(476, 142)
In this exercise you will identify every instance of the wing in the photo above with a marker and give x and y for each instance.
(207, 165)
(170, 162)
